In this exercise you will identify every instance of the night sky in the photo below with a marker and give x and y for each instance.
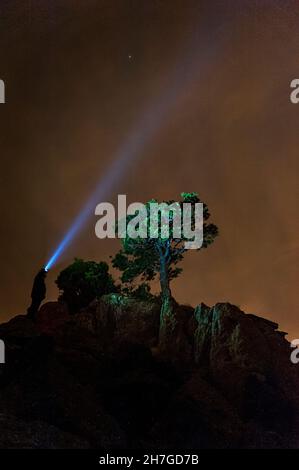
(81, 74)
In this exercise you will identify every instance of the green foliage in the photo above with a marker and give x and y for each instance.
(116, 299)
(141, 292)
(84, 281)
(145, 258)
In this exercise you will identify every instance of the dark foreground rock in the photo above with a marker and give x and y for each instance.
(97, 380)
(16, 434)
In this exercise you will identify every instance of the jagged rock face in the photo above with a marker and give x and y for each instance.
(18, 327)
(116, 319)
(97, 379)
(249, 360)
(18, 434)
(51, 317)
(202, 334)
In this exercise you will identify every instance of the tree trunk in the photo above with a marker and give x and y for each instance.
(167, 319)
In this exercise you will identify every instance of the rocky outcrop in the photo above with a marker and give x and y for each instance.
(117, 319)
(17, 434)
(248, 359)
(51, 317)
(97, 379)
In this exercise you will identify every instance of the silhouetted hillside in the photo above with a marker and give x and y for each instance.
(96, 379)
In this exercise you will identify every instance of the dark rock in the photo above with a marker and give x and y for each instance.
(249, 361)
(115, 318)
(97, 379)
(198, 416)
(51, 317)
(202, 335)
(17, 434)
(18, 327)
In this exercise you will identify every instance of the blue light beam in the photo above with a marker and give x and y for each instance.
(152, 121)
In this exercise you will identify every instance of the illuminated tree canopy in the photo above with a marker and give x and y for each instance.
(146, 258)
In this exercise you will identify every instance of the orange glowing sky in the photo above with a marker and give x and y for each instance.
(73, 93)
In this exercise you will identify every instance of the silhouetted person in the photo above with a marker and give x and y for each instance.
(38, 293)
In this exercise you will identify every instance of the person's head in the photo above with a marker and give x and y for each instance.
(42, 273)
